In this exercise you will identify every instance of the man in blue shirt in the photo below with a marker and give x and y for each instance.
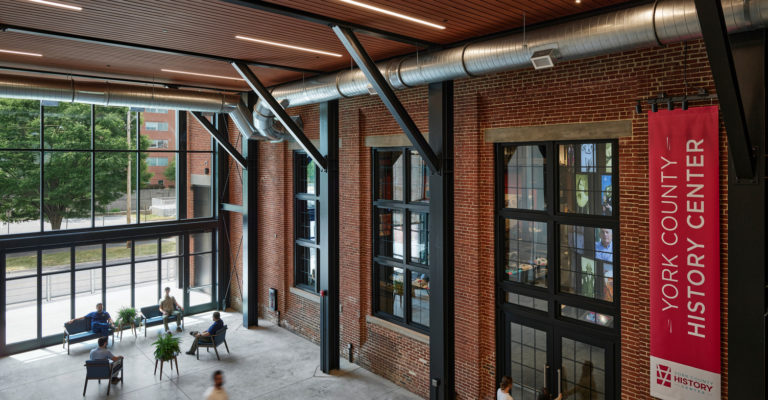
(205, 336)
(101, 353)
(101, 322)
(604, 246)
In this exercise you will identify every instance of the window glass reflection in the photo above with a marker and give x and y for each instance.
(391, 290)
(586, 181)
(525, 256)
(586, 261)
(420, 298)
(419, 178)
(390, 168)
(419, 237)
(524, 177)
(390, 231)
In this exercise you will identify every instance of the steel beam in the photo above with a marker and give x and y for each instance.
(329, 237)
(220, 138)
(250, 289)
(279, 112)
(154, 49)
(715, 34)
(441, 309)
(388, 96)
(323, 20)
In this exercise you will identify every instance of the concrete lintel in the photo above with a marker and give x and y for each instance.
(419, 337)
(577, 131)
(292, 145)
(307, 295)
(390, 140)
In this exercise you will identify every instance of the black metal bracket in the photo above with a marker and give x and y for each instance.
(307, 16)
(279, 112)
(388, 96)
(155, 49)
(715, 34)
(220, 138)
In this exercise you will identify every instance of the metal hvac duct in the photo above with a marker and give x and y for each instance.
(109, 94)
(644, 26)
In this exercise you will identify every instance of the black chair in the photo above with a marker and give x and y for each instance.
(103, 369)
(213, 341)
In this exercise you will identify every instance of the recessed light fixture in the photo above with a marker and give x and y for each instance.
(392, 13)
(21, 53)
(199, 74)
(57, 4)
(287, 46)
(578, 1)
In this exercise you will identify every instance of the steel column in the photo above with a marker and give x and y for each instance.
(279, 112)
(715, 36)
(388, 96)
(747, 310)
(181, 164)
(329, 237)
(222, 196)
(250, 294)
(441, 309)
(307, 16)
(221, 139)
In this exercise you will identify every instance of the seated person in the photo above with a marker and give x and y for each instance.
(169, 306)
(101, 353)
(205, 336)
(100, 320)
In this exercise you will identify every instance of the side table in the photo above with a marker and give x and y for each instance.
(170, 361)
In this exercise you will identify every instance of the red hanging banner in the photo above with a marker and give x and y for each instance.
(684, 222)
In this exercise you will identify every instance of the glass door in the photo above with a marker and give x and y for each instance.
(199, 272)
(539, 356)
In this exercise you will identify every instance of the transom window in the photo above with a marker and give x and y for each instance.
(401, 237)
(305, 216)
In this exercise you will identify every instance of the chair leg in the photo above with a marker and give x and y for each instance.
(197, 353)
(109, 386)
(217, 353)
(67, 347)
(85, 387)
(227, 346)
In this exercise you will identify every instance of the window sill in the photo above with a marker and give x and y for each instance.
(419, 337)
(305, 294)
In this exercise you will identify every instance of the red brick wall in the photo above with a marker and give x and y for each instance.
(596, 89)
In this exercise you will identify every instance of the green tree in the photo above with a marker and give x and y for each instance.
(66, 174)
(170, 171)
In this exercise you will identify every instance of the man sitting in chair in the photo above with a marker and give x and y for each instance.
(205, 336)
(101, 353)
(169, 306)
(100, 320)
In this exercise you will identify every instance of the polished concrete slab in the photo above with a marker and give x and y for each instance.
(267, 362)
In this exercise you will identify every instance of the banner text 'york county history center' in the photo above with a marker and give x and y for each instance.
(684, 245)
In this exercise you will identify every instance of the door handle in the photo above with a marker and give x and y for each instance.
(559, 382)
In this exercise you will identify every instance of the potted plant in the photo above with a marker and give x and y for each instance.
(167, 347)
(126, 317)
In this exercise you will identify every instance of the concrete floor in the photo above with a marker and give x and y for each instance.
(266, 363)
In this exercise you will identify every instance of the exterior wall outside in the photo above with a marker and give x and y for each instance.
(158, 173)
(596, 89)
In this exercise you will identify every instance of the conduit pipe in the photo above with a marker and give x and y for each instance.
(644, 26)
(110, 94)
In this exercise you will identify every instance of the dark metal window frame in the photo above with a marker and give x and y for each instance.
(73, 240)
(181, 180)
(407, 207)
(554, 218)
(138, 231)
(300, 162)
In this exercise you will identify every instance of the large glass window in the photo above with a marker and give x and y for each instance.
(401, 237)
(305, 216)
(67, 166)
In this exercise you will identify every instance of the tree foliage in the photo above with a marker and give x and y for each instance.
(66, 160)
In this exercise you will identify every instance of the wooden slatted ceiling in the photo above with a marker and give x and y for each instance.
(210, 26)
(463, 19)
